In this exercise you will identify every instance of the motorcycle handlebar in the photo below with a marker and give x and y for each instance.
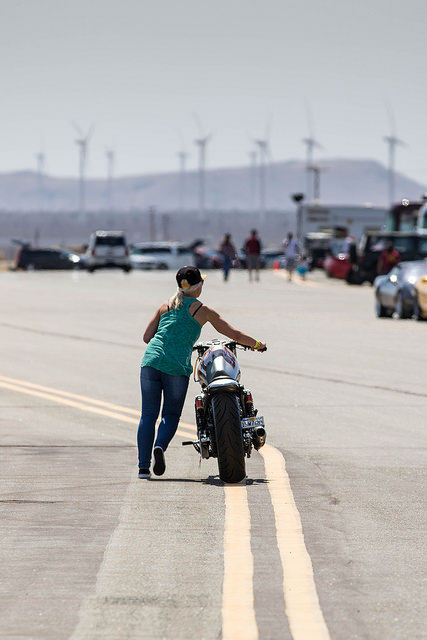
(246, 348)
(203, 346)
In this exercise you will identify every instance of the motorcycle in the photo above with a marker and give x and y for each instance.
(228, 426)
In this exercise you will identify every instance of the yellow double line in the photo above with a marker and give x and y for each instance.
(239, 622)
(302, 605)
(84, 403)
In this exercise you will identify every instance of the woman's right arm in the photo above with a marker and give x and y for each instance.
(224, 327)
(152, 326)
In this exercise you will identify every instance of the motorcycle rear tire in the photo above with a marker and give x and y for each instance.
(229, 440)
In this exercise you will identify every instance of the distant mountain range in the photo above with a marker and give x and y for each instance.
(342, 181)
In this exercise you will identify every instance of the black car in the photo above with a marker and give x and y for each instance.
(37, 258)
(411, 246)
(317, 245)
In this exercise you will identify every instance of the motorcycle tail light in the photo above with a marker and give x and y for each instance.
(199, 404)
(248, 396)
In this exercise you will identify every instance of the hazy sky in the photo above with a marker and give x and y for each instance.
(140, 69)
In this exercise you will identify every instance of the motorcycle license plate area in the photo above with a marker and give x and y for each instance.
(253, 422)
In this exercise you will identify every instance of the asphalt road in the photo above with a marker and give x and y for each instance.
(325, 539)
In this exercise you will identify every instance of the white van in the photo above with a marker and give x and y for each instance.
(164, 255)
(107, 249)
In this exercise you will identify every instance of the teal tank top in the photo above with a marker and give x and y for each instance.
(171, 347)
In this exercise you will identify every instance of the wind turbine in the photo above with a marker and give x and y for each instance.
(311, 144)
(182, 155)
(264, 154)
(393, 141)
(201, 143)
(111, 159)
(82, 142)
(252, 177)
(316, 170)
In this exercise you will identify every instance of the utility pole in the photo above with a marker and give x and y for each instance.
(152, 223)
(392, 142)
(298, 198)
(263, 152)
(165, 225)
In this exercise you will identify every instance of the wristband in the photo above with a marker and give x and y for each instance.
(257, 345)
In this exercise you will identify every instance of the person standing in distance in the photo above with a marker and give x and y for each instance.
(291, 249)
(166, 364)
(253, 252)
(388, 259)
(228, 252)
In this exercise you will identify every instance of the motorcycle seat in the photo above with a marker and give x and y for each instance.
(223, 383)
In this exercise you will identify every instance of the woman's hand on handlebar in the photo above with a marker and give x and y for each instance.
(260, 346)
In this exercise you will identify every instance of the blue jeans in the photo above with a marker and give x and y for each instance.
(226, 266)
(154, 383)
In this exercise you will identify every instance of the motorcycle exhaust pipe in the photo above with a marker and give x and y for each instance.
(258, 437)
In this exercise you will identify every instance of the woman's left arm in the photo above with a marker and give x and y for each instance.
(152, 326)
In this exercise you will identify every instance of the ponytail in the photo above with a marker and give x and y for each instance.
(176, 300)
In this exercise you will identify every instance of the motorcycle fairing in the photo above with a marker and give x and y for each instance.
(218, 361)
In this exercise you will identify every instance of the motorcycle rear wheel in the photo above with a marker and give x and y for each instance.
(229, 440)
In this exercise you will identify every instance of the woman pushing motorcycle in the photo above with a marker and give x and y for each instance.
(166, 364)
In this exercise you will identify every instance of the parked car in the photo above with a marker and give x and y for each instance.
(168, 255)
(317, 246)
(270, 256)
(139, 260)
(395, 291)
(29, 258)
(107, 249)
(337, 266)
(337, 261)
(240, 262)
(420, 304)
(411, 246)
(207, 258)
